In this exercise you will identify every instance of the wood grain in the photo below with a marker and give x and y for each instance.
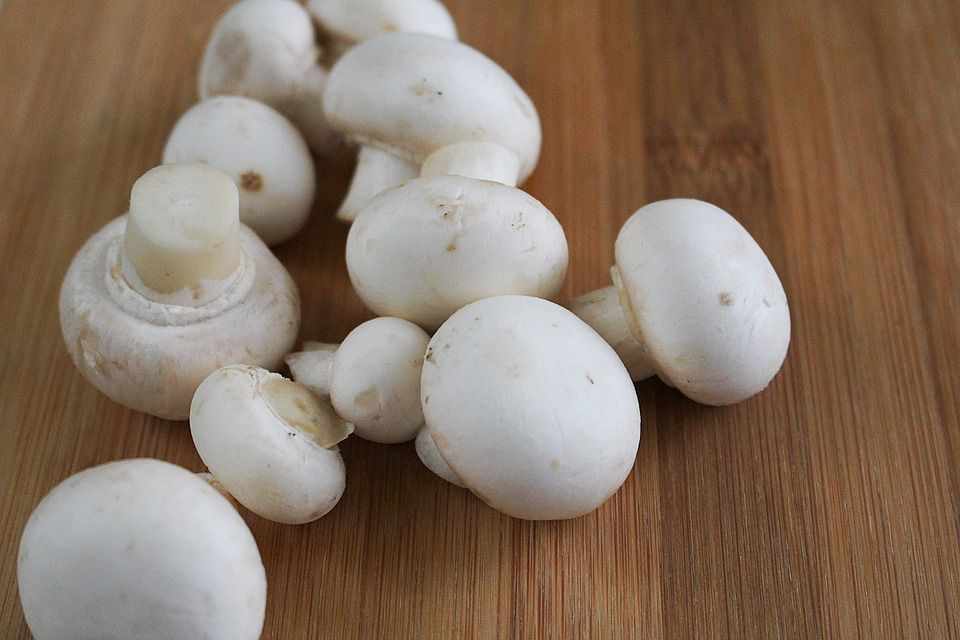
(828, 506)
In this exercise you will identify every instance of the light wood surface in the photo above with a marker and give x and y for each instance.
(828, 506)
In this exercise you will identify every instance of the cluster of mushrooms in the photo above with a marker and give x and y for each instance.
(180, 310)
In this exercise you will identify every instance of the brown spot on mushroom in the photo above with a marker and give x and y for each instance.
(766, 303)
(726, 299)
(387, 27)
(196, 291)
(439, 440)
(451, 247)
(426, 399)
(234, 53)
(368, 401)
(428, 356)
(251, 181)
(590, 379)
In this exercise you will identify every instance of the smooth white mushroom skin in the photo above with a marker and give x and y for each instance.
(149, 355)
(430, 457)
(266, 50)
(372, 378)
(139, 549)
(530, 408)
(602, 310)
(704, 304)
(270, 442)
(350, 21)
(425, 249)
(376, 172)
(261, 151)
(480, 160)
(411, 94)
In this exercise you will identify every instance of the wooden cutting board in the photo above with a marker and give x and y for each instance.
(828, 506)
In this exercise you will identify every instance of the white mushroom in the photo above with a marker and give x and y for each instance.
(430, 457)
(530, 408)
(158, 299)
(404, 96)
(266, 49)
(372, 377)
(270, 442)
(265, 155)
(347, 22)
(423, 250)
(695, 300)
(139, 549)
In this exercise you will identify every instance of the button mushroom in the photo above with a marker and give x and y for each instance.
(139, 549)
(264, 154)
(270, 442)
(372, 377)
(430, 457)
(403, 97)
(530, 408)
(159, 298)
(423, 250)
(695, 300)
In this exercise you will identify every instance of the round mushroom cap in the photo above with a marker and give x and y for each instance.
(705, 299)
(356, 20)
(270, 442)
(140, 549)
(424, 249)
(530, 408)
(411, 94)
(261, 49)
(260, 150)
(154, 362)
(376, 379)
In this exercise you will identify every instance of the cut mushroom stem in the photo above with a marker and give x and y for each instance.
(603, 310)
(182, 241)
(480, 160)
(377, 170)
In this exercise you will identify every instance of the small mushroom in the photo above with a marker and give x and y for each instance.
(347, 22)
(267, 50)
(430, 457)
(158, 299)
(530, 408)
(261, 150)
(372, 377)
(694, 300)
(405, 96)
(139, 549)
(270, 442)
(423, 250)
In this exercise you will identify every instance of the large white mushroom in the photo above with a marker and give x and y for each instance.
(372, 377)
(261, 150)
(403, 97)
(695, 301)
(158, 299)
(270, 442)
(529, 408)
(423, 250)
(139, 549)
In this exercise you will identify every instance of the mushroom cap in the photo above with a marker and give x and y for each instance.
(270, 442)
(356, 20)
(704, 298)
(260, 150)
(140, 549)
(530, 407)
(411, 94)
(261, 49)
(154, 362)
(430, 457)
(424, 249)
(376, 379)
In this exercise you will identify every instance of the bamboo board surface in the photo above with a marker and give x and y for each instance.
(828, 506)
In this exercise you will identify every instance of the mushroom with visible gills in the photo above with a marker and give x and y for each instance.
(139, 549)
(372, 377)
(270, 442)
(530, 408)
(406, 97)
(695, 301)
(423, 250)
(158, 299)
(261, 150)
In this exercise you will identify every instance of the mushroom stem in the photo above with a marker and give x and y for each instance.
(376, 171)
(479, 160)
(182, 240)
(604, 312)
(313, 367)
